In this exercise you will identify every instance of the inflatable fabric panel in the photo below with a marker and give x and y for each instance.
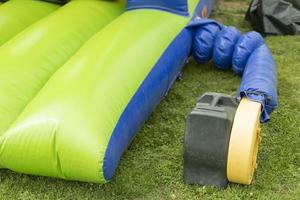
(16, 15)
(74, 119)
(164, 74)
(29, 60)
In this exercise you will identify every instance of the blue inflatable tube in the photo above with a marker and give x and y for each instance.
(244, 47)
(259, 81)
(224, 47)
(247, 54)
(206, 32)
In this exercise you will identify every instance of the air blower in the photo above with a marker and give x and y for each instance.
(223, 132)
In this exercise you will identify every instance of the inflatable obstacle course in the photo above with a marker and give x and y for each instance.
(83, 121)
(16, 15)
(41, 50)
(81, 107)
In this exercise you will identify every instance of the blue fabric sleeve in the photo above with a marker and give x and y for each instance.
(244, 47)
(204, 40)
(224, 47)
(259, 81)
(248, 54)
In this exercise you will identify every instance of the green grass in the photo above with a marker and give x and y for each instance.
(152, 166)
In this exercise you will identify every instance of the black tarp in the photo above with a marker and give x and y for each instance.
(279, 17)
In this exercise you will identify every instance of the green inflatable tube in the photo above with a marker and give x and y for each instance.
(16, 15)
(28, 60)
(71, 120)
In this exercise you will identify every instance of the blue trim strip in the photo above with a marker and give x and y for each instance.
(179, 7)
(146, 98)
(159, 8)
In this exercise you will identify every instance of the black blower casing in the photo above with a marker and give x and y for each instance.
(207, 136)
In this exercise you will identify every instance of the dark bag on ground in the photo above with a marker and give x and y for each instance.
(278, 17)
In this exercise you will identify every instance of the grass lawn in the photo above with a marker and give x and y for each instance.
(152, 166)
